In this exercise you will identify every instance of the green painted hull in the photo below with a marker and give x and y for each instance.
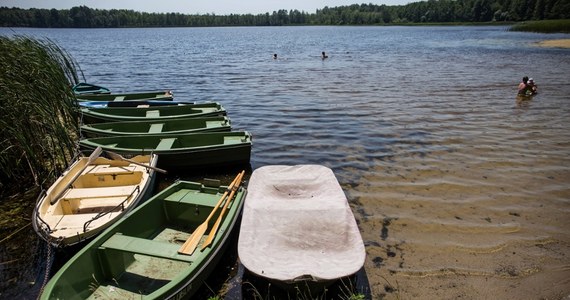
(87, 88)
(181, 152)
(152, 95)
(165, 127)
(137, 258)
(117, 114)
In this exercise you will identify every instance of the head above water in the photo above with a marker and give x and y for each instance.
(525, 79)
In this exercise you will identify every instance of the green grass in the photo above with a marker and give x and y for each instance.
(545, 26)
(342, 290)
(39, 121)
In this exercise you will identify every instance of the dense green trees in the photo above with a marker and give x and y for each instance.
(440, 11)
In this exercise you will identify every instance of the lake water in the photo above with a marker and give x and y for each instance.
(460, 190)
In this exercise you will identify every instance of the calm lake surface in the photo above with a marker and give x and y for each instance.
(460, 190)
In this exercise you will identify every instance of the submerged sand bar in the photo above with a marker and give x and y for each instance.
(561, 43)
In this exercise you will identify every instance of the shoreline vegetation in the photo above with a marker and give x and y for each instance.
(39, 112)
(437, 12)
(543, 26)
(40, 126)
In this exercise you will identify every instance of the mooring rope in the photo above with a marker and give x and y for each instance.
(49, 260)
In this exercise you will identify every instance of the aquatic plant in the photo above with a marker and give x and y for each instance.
(39, 121)
(544, 26)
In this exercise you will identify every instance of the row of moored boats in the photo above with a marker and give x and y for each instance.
(296, 226)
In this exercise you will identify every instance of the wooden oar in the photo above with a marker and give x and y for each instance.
(94, 155)
(190, 245)
(212, 233)
(117, 156)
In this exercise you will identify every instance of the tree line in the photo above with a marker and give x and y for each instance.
(431, 11)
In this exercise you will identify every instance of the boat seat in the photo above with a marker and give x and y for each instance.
(137, 245)
(156, 128)
(153, 114)
(107, 170)
(72, 224)
(99, 192)
(165, 144)
(119, 98)
(193, 198)
(233, 140)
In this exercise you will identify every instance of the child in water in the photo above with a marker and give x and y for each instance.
(532, 86)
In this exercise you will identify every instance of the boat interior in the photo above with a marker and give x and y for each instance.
(141, 255)
(100, 193)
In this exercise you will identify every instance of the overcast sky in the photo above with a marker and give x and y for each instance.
(220, 7)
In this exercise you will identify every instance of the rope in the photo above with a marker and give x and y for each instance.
(49, 258)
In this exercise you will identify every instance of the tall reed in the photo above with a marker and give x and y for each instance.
(38, 111)
(543, 26)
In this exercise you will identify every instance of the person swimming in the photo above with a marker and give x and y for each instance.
(275, 56)
(324, 55)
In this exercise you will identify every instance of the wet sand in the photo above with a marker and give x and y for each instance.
(469, 224)
(562, 43)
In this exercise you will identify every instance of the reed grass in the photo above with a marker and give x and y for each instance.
(39, 122)
(544, 26)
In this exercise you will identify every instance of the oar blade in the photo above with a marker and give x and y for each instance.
(190, 245)
(234, 187)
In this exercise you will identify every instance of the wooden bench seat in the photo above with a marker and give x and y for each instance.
(74, 223)
(143, 246)
(108, 170)
(99, 192)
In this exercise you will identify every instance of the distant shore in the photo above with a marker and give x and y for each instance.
(561, 43)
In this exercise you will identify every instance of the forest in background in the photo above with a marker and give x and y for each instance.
(431, 11)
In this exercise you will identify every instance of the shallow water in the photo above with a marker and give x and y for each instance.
(459, 189)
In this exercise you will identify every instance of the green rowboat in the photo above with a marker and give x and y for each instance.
(181, 151)
(138, 258)
(84, 88)
(142, 96)
(175, 126)
(153, 113)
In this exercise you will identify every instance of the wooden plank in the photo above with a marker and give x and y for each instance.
(99, 192)
(108, 170)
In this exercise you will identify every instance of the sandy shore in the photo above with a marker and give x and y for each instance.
(562, 43)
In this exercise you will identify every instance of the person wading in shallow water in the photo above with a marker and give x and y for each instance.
(523, 86)
(323, 55)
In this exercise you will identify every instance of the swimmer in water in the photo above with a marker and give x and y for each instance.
(323, 56)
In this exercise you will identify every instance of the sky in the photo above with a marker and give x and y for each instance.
(219, 7)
